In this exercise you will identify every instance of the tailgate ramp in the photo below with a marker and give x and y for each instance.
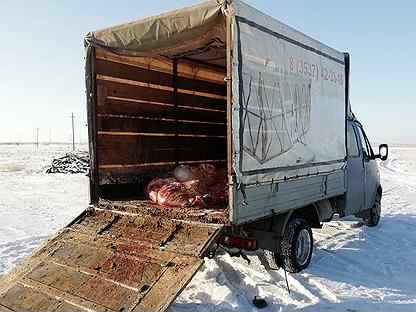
(109, 261)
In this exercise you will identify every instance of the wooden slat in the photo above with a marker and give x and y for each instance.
(53, 275)
(20, 298)
(152, 110)
(159, 134)
(124, 150)
(130, 91)
(123, 270)
(65, 307)
(186, 68)
(157, 63)
(4, 309)
(143, 229)
(135, 73)
(110, 174)
(176, 277)
(155, 125)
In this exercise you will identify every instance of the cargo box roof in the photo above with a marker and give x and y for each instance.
(197, 32)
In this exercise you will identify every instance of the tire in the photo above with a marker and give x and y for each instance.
(374, 215)
(296, 246)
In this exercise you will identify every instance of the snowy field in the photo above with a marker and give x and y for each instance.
(353, 269)
(34, 205)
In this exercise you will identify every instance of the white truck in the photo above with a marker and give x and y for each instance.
(218, 83)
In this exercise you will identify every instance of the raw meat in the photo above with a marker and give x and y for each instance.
(175, 194)
(155, 185)
(190, 186)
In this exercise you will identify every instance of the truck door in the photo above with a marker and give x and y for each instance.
(355, 172)
(370, 168)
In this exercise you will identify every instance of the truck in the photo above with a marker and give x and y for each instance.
(218, 83)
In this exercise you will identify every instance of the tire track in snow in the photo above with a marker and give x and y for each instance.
(294, 282)
(258, 281)
(324, 290)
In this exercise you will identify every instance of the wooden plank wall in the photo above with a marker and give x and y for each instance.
(143, 129)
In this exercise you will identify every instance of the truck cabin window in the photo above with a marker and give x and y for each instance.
(352, 142)
(367, 150)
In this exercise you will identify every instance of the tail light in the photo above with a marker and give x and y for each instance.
(238, 242)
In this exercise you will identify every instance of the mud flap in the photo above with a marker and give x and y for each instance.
(110, 261)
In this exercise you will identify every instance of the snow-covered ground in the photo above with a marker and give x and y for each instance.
(33, 204)
(353, 269)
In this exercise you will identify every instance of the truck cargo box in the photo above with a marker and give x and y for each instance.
(232, 87)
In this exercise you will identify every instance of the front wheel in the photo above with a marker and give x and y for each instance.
(296, 246)
(373, 217)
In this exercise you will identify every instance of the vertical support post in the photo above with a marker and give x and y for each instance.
(175, 103)
(347, 96)
(73, 132)
(90, 79)
(37, 137)
(229, 96)
(230, 150)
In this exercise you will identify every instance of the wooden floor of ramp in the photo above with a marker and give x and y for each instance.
(109, 261)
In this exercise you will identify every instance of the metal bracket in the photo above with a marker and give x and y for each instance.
(241, 187)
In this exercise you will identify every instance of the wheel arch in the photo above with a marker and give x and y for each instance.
(310, 213)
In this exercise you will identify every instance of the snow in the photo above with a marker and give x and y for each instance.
(33, 204)
(352, 269)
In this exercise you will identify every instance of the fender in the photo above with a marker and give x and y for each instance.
(280, 222)
(378, 189)
(364, 213)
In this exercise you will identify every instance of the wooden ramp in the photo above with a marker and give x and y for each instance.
(109, 261)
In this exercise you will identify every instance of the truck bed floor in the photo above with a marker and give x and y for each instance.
(211, 214)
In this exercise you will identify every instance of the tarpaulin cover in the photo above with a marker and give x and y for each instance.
(289, 101)
(167, 34)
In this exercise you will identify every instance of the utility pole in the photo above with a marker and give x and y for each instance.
(73, 132)
(37, 137)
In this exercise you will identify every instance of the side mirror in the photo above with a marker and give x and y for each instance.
(383, 152)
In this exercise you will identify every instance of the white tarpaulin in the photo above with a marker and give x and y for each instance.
(289, 101)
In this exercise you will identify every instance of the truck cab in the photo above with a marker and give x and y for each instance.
(364, 191)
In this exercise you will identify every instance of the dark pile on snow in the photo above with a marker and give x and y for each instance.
(74, 162)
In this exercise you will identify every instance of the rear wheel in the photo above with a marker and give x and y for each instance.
(296, 246)
(373, 217)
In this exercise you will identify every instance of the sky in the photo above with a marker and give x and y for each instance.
(42, 59)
